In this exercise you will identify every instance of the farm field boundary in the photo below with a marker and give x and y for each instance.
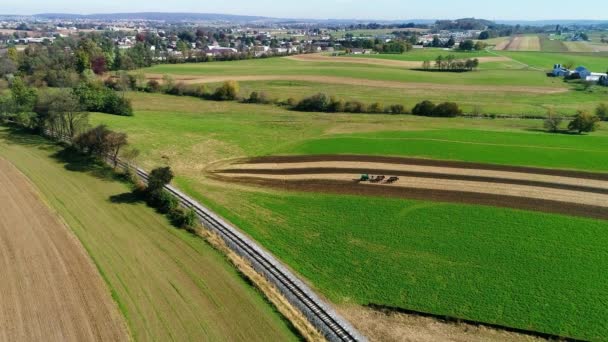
(198, 79)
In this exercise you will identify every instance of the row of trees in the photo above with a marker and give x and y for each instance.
(582, 122)
(451, 63)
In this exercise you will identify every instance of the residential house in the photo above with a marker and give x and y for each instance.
(214, 50)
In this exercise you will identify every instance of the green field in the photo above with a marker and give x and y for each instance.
(426, 54)
(494, 75)
(169, 285)
(597, 62)
(520, 269)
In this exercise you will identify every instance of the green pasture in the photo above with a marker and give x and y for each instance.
(520, 269)
(282, 66)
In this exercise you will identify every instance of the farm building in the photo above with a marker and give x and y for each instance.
(603, 81)
(560, 71)
(595, 77)
(582, 72)
(361, 51)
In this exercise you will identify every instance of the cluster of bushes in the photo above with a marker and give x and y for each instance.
(158, 198)
(228, 91)
(582, 122)
(451, 63)
(95, 97)
(445, 109)
(330, 104)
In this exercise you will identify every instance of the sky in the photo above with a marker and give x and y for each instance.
(335, 9)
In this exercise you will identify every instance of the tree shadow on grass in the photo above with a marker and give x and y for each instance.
(75, 161)
(561, 131)
(22, 136)
(126, 198)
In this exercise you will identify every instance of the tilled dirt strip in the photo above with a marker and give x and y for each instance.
(466, 197)
(417, 174)
(570, 196)
(377, 61)
(49, 289)
(412, 169)
(424, 162)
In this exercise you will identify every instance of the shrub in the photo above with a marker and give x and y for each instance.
(424, 108)
(315, 103)
(355, 107)
(376, 107)
(397, 109)
(227, 92)
(553, 121)
(164, 201)
(291, 102)
(584, 122)
(114, 104)
(447, 110)
(256, 97)
(335, 105)
(178, 89)
(153, 86)
(185, 219)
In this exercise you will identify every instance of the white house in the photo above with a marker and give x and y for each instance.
(595, 77)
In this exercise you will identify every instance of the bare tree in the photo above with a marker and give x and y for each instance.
(67, 108)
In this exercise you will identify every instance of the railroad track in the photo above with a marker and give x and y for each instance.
(320, 315)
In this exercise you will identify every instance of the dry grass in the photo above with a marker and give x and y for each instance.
(399, 327)
(296, 318)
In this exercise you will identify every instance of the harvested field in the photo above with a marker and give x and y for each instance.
(554, 191)
(378, 61)
(198, 79)
(520, 43)
(50, 289)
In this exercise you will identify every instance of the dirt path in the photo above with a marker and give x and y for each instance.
(200, 79)
(49, 289)
(378, 61)
(556, 191)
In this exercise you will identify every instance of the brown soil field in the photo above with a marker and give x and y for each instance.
(556, 191)
(520, 43)
(50, 290)
(377, 61)
(199, 79)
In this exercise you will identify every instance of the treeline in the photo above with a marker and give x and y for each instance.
(67, 61)
(63, 112)
(451, 63)
(583, 121)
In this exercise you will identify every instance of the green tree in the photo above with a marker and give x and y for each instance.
(467, 45)
(24, 97)
(584, 122)
(553, 121)
(158, 178)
